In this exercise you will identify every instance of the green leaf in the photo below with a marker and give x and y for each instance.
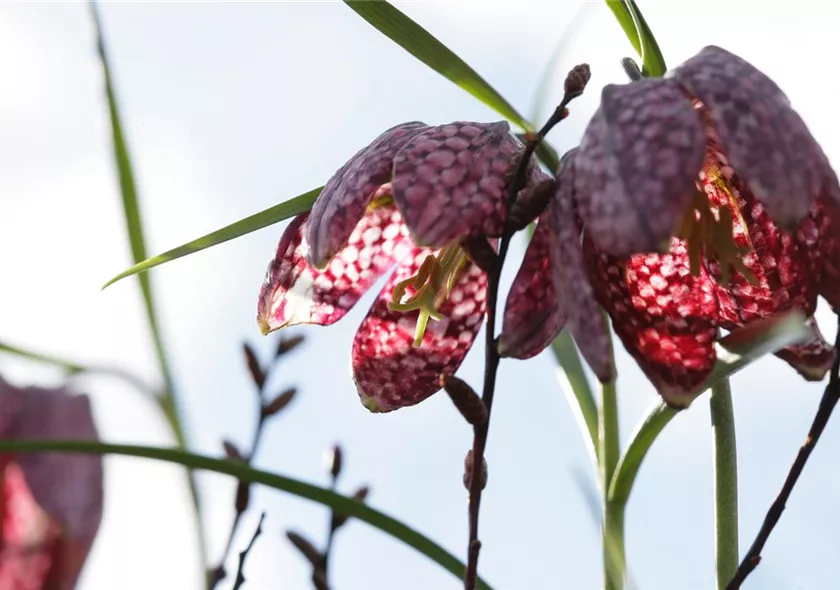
(575, 385)
(277, 213)
(735, 352)
(134, 225)
(406, 33)
(640, 442)
(638, 32)
(340, 504)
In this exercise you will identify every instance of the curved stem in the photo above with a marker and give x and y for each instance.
(726, 483)
(608, 454)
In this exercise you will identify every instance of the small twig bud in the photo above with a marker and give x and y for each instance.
(576, 81)
(288, 344)
(216, 575)
(232, 451)
(481, 252)
(530, 204)
(465, 399)
(333, 460)
(279, 402)
(257, 374)
(307, 549)
(243, 497)
(468, 471)
(338, 520)
(631, 68)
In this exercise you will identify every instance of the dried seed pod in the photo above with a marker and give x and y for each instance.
(530, 204)
(257, 373)
(576, 81)
(465, 399)
(232, 451)
(468, 471)
(288, 344)
(279, 402)
(481, 252)
(306, 548)
(333, 460)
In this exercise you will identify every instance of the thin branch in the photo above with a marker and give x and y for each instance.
(240, 576)
(827, 404)
(491, 362)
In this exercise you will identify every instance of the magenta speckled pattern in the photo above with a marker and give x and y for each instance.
(819, 236)
(450, 182)
(637, 165)
(765, 139)
(52, 502)
(662, 314)
(294, 292)
(389, 371)
(341, 205)
(533, 314)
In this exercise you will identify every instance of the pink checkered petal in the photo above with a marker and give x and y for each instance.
(767, 142)
(637, 165)
(389, 372)
(342, 203)
(574, 291)
(813, 358)
(450, 182)
(819, 236)
(294, 292)
(533, 314)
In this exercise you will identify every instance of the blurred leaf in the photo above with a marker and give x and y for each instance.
(300, 204)
(406, 33)
(638, 32)
(134, 225)
(573, 380)
(306, 548)
(232, 451)
(280, 402)
(342, 504)
(253, 363)
(736, 351)
(69, 366)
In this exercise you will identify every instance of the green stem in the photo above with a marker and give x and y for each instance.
(608, 455)
(726, 483)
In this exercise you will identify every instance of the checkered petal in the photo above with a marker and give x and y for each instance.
(389, 371)
(294, 292)
(341, 205)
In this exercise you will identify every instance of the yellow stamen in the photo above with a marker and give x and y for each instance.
(708, 228)
(432, 285)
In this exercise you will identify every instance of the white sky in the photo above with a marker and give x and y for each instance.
(230, 108)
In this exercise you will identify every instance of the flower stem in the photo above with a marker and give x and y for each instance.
(726, 483)
(608, 454)
(491, 363)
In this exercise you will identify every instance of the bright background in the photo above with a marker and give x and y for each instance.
(231, 108)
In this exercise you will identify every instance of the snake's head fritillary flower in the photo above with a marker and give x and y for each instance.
(706, 203)
(409, 199)
(51, 502)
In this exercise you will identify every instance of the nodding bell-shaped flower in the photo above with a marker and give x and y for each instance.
(51, 502)
(410, 199)
(705, 204)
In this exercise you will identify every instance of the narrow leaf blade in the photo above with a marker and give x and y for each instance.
(299, 204)
(630, 17)
(406, 33)
(241, 471)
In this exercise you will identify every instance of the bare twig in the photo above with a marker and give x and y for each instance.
(265, 409)
(240, 576)
(575, 83)
(827, 404)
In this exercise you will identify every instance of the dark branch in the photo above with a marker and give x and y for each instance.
(827, 404)
(574, 87)
(240, 577)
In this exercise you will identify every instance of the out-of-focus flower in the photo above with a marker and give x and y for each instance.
(713, 166)
(51, 502)
(408, 199)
